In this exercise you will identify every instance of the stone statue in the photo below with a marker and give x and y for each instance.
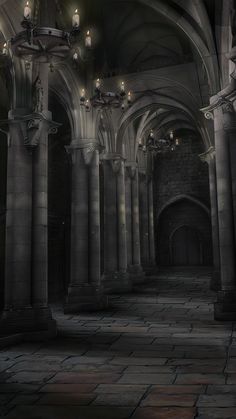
(38, 96)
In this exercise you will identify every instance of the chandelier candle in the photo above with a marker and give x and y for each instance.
(27, 11)
(76, 19)
(4, 50)
(88, 40)
(98, 84)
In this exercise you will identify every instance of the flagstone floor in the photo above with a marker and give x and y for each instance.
(155, 354)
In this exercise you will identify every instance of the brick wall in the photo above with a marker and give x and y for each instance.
(176, 174)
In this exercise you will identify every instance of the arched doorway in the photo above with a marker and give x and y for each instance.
(186, 247)
(183, 236)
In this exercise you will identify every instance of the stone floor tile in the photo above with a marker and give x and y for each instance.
(178, 400)
(138, 361)
(30, 377)
(71, 399)
(178, 389)
(200, 379)
(164, 413)
(217, 400)
(118, 399)
(70, 412)
(121, 388)
(24, 399)
(216, 413)
(80, 378)
(147, 378)
(224, 389)
(68, 388)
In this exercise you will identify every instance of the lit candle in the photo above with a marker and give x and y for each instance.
(75, 56)
(82, 93)
(129, 98)
(177, 141)
(88, 40)
(75, 19)
(122, 88)
(98, 84)
(87, 105)
(27, 11)
(171, 135)
(4, 50)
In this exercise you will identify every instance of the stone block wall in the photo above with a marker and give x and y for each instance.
(181, 186)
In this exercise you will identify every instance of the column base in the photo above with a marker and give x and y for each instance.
(215, 281)
(225, 307)
(116, 283)
(35, 323)
(136, 274)
(150, 270)
(84, 298)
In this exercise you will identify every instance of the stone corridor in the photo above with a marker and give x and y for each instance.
(155, 354)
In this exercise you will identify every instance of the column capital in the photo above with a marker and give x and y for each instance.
(218, 101)
(116, 160)
(132, 168)
(31, 126)
(87, 147)
(208, 155)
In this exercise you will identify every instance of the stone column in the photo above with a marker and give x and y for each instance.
(84, 291)
(230, 128)
(122, 244)
(18, 221)
(209, 158)
(94, 221)
(128, 205)
(144, 225)
(225, 308)
(135, 269)
(116, 278)
(151, 223)
(26, 308)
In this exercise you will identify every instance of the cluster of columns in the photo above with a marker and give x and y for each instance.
(26, 280)
(85, 279)
(121, 229)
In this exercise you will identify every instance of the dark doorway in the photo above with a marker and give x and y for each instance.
(186, 248)
(183, 235)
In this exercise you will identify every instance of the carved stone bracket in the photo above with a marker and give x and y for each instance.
(208, 155)
(132, 169)
(225, 103)
(87, 148)
(31, 127)
(115, 161)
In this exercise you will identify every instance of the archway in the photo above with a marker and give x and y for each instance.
(183, 236)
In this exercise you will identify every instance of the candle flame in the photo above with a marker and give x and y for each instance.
(76, 11)
(5, 45)
(27, 3)
(88, 33)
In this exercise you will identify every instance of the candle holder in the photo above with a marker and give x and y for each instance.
(102, 99)
(161, 145)
(44, 45)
